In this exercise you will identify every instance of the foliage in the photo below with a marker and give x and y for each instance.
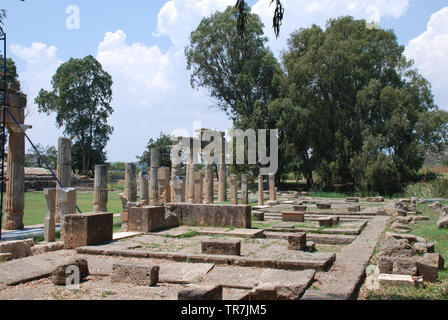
(163, 143)
(81, 96)
(49, 153)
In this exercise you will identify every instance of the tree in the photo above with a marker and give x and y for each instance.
(81, 96)
(356, 103)
(50, 154)
(163, 143)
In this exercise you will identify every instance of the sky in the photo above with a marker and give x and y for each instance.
(141, 44)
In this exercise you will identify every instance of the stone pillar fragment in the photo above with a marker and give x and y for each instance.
(15, 184)
(272, 196)
(164, 185)
(260, 191)
(244, 189)
(130, 176)
(208, 184)
(198, 187)
(175, 172)
(50, 218)
(144, 188)
(233, 189)
(153, 176)
(178, 186)
(64, 162)
(66, 200)
(100, 192)
(222, 183)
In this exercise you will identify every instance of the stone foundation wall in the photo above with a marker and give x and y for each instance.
(207, 215)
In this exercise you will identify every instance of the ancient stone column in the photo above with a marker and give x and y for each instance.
(191, 173)
(178, 188)
(272, 187)
(198, 180)
(260, 191)
(153, 176)
(208, 184)
(244, 189)
(187, 179)
(63, 168)
(144, 188)
(175, 172)
(233, 189)
(15, 184)
(66, 200)
(164, 185)
(130, 176)
(222, 175)
(50, 217)
(100, 192)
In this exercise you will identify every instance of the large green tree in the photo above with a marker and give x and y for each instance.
(81, 97)
(355, 109)
(163, 143)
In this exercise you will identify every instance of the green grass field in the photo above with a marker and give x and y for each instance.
(35, 205)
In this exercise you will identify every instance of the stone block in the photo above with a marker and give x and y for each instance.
(443, 223)
(396, 248)
(297, 242)
(423, 247)
(403, 220)
(273, 203)
(60, 274)
(17, 249)
(335, 220)
(201, 292)
(217, 247)
(401, 213)
(300, 208)
(326, 222)
(135, 273)
(429, 266)
(354, 209)
(323, 206)
(351, 199)
(400, 227)
(171, 221)
(146, 219)
(87, 229)
(398, 280)
(293, 217)
(258, 215)
(405, 266)
(5, 257)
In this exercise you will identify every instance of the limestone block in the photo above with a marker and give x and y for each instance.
(146, 219)
(297, 242)
(50, 217)
(323, 206)
(17, 248)
(135, 273)
(300, 208)
(326, 222)
(218, 247)
(351, 199)
(60, 274)
(398, 280)
(293, 217)
(258, 215)
(354, 209)
(201, 292)
(87, 229)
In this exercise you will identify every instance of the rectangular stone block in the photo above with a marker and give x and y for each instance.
(300, 208)
(206, 215)
(293, 217)
(228, 247)
(326, 222)
(87, 229)
(354, 209)
(394, 280)
(17, 249)
(135, 273)
(429, 266)
(297, 242)
(201, 292)
(323, 206)
(146, 219)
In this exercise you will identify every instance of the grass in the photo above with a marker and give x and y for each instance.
(431, 291)
(36, 207)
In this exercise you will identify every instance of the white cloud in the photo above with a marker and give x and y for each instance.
(303, 13)
(41, 63)
(430, 53)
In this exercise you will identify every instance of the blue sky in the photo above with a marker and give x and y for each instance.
(140, 43)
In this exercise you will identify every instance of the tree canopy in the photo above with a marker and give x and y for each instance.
(81, 96)
(163, 143)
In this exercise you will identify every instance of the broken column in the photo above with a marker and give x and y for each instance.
(272, 196)
(222, 183)
(260, 191)
(198, 187)
(100, 192)
(175, 172)
(144, 188)
(63, 169)
(177, 185)
(208, 184)
(50, 217)
(233, 189)
(130, 176)
(66, 200)
(153, 176)
(244, 189)
(164, 185)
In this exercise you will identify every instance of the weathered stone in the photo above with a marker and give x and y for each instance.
(130, 177)
(62, 273)
(222, 183)
(244, 189)
(299, 208)
(326, 222)
(50, 217)
(64, 162)
(4, 257)
(146, 219)
(396, 248)
(354, 209)
(405, 266)
(297, 241)
(135, 273)
(429, 266)
(397, 280)
(272, 195)
(18, 248)
(399, 227)
(260, 191)
(201, 292)
(171, 220)
(208, 184)
(258, 215)
(293, 217)
(323, 206)
(47, 247)
(401, 213)
(100, 191)
(233, 189)
(273, 203)
(163, 176)
(423, 247)
(351, 199)
(443, 223)
(198, 187)
(410, 238)
(178, 187)
(436, 205)
(403, 220)
(86, 229)
(144, 188)
(218, 247)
